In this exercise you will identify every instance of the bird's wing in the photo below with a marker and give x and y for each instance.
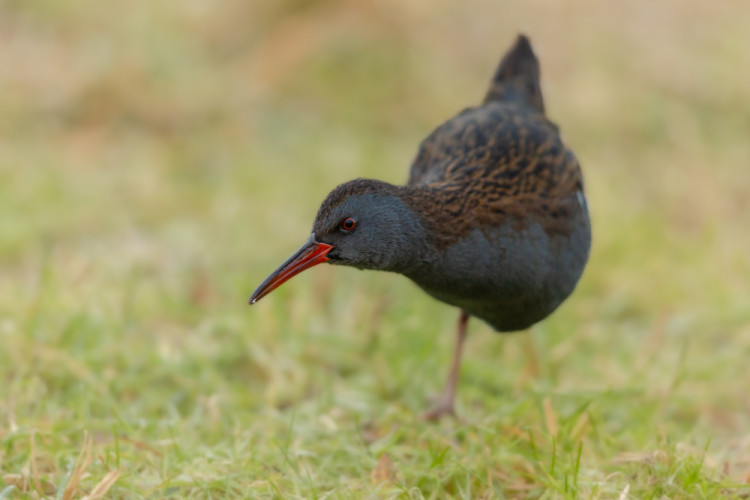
(494, 162)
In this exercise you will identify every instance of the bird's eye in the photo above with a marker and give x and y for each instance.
(348, 224)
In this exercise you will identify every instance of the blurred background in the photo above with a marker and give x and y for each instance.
(159, 159)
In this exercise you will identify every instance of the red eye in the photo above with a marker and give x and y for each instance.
(348, 224)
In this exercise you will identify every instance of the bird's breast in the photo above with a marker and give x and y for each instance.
(511, 276)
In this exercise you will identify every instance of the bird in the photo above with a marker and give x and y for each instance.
(493, 219)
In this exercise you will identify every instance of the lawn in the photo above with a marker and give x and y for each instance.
(159, 159)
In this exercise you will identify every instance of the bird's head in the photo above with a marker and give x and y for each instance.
(363, 223)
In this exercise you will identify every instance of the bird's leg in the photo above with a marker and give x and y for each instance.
(444, 404)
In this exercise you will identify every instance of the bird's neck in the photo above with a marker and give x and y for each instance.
(437, 220)
(406, 234)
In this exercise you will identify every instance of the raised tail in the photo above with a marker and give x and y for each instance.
(517, 77)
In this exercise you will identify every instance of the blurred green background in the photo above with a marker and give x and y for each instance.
(159, 159)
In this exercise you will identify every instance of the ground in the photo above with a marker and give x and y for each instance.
(158, 160)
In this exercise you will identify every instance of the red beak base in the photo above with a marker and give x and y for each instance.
(311, 254)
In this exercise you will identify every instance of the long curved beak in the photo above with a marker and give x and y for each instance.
(311, 254)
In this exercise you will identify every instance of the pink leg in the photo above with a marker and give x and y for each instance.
(444, 404)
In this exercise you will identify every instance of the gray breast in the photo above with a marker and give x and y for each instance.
(509, 276)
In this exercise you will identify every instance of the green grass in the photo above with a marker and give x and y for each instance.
(157, 163)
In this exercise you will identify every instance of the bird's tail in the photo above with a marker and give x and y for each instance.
(517, 77)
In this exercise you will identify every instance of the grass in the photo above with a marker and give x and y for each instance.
(156, 164)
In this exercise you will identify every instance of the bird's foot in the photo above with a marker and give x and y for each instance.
(443, 407)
